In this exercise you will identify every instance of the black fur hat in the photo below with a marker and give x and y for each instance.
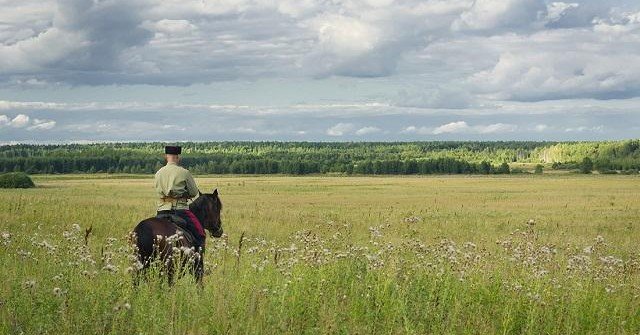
(172, 150)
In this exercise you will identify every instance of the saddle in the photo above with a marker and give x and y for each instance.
(180, 224)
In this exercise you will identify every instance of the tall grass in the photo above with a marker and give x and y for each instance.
(332, 255)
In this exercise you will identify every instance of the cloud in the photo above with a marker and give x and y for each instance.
(350, 46)
(439, 98)
(24, 121)
(453, 127)
(367, 131)
(541, 128)
(566, 74)
(575, 14)
(19, 121)
(243, 130)
(501, 14)
(496, 128)
(582, 129)
(417, 130)
(462, 127)
(185, 42)
(84, 42)
(42, 124)
(172, 27)
(340, 129)
(181, 43)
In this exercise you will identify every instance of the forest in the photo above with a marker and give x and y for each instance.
(300, 158)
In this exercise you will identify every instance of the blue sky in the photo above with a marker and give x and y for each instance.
(307, 70)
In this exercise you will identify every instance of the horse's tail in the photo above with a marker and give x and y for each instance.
(144, 241)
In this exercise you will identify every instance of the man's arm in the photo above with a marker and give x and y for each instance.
(157, 179)
(192, 188)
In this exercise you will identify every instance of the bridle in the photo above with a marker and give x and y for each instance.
(202, 206)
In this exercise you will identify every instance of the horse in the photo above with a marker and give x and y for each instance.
(160, 239)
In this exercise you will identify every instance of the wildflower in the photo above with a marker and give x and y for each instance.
(57, 292)
(6, 237)
(29, 284)
(469, 245)
(413, 219)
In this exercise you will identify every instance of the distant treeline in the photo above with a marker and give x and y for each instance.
(320, 157)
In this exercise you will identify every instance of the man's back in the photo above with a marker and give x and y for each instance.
(174, 184)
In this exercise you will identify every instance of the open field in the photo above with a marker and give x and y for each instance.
(357, 255)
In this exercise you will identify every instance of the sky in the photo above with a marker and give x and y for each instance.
(318, 70)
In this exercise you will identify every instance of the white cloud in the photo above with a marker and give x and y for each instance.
(172, 27)
(24, 121)
(453, 127)
(417, 130)
(440, 98)
(42, 124)
(243, 130)
(496, 128)
(541, 128)
(78, 39)
(19, 121)
(462, 127)
(532, 75)
(340, 129)
(556, 10)
(367, 131)
(498, 14)
(582, 129)
(173, 127)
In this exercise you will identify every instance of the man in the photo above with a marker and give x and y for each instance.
(175, 185)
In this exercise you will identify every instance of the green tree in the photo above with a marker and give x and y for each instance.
(485, 167)
(539, 169)
(586, 166)
(504, 168)
(16, 180)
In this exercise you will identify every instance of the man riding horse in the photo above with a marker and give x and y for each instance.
(153, 238)
(174, 186)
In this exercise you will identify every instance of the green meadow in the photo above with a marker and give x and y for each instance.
(508, 254)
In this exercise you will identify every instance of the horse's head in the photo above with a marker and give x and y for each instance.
(209, 207)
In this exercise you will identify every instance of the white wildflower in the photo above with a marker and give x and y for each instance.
(29, 284)
(57, 292)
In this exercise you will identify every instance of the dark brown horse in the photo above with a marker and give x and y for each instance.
(159, 239)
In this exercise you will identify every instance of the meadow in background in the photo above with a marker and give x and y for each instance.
(315, 255)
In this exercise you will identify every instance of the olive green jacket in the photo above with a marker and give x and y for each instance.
(174, 181)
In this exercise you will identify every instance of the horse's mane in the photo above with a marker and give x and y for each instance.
(197, 206)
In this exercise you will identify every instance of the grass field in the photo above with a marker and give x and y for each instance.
(349, 255)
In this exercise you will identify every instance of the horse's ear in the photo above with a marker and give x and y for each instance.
(215, 192)
(199, 193)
